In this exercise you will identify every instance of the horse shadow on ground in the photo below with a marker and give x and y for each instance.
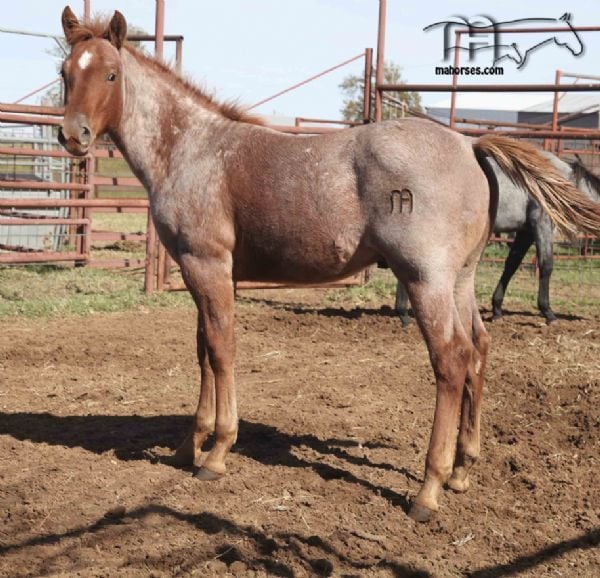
(532, 318)
(312, 552)
(536, 317)
(303, 309)
(133, 437)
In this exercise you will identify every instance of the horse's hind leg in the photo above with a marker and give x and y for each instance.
(450, 350)
(189, 452)
(468, 447)
(518, 249)
(543, 236)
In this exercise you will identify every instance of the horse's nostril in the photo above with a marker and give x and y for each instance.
(86, 133)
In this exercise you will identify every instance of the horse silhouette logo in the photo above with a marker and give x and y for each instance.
(485, 34)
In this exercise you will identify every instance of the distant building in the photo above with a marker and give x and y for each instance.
(531, 108)
(586, 107)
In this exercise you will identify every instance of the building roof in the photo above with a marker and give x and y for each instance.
(568, 102)
(520, 102)
(492, 101)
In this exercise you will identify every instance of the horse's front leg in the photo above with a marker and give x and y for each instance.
(190, 451)
(210, 283)
(519, 247)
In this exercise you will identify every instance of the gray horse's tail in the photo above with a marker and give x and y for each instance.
(568, 208)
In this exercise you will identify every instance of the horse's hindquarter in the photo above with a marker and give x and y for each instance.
(296, 207)
(426, 196)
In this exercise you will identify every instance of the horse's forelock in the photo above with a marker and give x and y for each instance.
(95, 28)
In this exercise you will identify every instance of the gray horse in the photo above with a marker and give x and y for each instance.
(518, 212)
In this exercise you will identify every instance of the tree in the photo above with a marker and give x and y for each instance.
(394, 103)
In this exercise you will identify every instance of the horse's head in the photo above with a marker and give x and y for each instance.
(92, 75)
(569, 39)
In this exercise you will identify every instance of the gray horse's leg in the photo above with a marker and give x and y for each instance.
(468, 446)
(518, 250)
(402, 304)
(544, 236)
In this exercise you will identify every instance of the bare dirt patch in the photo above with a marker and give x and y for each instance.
(336, 408)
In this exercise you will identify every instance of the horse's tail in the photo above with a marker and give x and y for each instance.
(568, 208)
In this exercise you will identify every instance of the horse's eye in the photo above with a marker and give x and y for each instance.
(111, 77)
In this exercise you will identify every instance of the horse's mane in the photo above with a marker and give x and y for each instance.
(580, 171)
(97, 27)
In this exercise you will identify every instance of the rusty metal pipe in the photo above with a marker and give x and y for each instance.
(544, 30)
(32, 109)
(159, 29)
(28, 119)
(28, 152)
(489, 87)
(367, 85)
(41, 257)
(523, 125)
(454, 80)
(555, 103)
(179, 56)
(380, 65)
(40, 186)
(43, 221)
(93, 203)
(560, 134)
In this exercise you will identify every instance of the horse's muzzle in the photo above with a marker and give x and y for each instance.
(75, 135)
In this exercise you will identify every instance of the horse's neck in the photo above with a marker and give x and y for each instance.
(585, 185)
(157, 116)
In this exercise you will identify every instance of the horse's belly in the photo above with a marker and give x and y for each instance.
(300, 256)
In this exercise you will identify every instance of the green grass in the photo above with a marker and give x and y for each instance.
(574, 289)
(120, 222)
(50, 290)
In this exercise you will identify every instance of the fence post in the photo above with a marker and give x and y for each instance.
(367, 85)
(379, 72)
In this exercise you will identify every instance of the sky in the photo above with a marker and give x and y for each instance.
(251, 49)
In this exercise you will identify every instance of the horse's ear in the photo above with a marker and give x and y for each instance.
(71, 26)
(566, 17)
(117, 30)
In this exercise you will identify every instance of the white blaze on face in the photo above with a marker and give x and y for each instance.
(84, 60)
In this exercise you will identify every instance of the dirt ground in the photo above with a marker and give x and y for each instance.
(336, 408)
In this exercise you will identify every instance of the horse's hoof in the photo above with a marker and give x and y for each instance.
(405, 322)
(206, 475)
(457, 485)
(550, 318)
(496, 317)
(420, 513)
